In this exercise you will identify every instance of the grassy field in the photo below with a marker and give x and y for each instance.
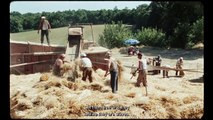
(57, 35)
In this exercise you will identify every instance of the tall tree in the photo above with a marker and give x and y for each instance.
(140, 16)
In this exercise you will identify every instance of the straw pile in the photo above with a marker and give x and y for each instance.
(43, 96)
(120, 70)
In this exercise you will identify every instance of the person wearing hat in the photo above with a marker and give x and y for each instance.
(131, 50)
(45, 27)
(112, 68)
(86, 66)
(57, 67)
(157, 62)
(142, 74)
(179, 65)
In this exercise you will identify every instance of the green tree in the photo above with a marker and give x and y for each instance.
(141, 15)
(15, 24)
(151, 37)
(196, 33)
(179, 38)
(114, 35)
(157, 11)
(180, 12)
(28, 21)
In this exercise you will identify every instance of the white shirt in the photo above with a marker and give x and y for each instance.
(86, 62)
(179, 63)
(45, 25)
(142, 64)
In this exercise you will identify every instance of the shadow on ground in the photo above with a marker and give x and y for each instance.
(197, 80)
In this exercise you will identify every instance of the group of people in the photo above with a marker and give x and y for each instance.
(157, 62)
(112, 69)
(86, 67)
(133, 50)
(179, 67)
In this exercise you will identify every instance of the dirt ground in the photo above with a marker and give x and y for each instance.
(168, 98)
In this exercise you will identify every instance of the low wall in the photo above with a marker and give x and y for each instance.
(26, 58)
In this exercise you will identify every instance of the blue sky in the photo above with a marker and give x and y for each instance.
(53, 6)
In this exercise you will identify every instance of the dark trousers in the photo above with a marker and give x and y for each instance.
(158, 64)
(87, 72)
(165, 73)
(181, 73)
(46, 33)
(114, 81)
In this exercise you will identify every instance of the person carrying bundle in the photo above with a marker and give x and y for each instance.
(179, 65)
(142, 74)
(133, 71)
(86, 66)
(113, 70)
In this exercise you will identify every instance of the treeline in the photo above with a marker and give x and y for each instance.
(181, 23)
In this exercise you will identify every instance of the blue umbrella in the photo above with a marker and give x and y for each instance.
(131, 42)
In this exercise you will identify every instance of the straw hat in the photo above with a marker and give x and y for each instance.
(83, 55)
(108, 54)
(43, 17)
(62, 55)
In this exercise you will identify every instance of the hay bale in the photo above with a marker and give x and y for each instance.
(44, 77)
(105, 89)
(192, 111)
(55, 83)
(72, 86)
(173, 113)
(64, 82)
(160, 88)
(69, 96)
(168, 100)
(22, 104)
(84, 94)
(71, 76)
(110, 96)
(120, 70)
(13, 114)
(141, 100)
(37, 101)
(66, 67)
(75, 109)
(131, 95)
(190, 99)
(120, 65)
(95, 86)
(51, 101)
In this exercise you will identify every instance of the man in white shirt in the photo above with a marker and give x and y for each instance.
(142, 68)
(179, 65)
(86, 66)
(45, 27)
